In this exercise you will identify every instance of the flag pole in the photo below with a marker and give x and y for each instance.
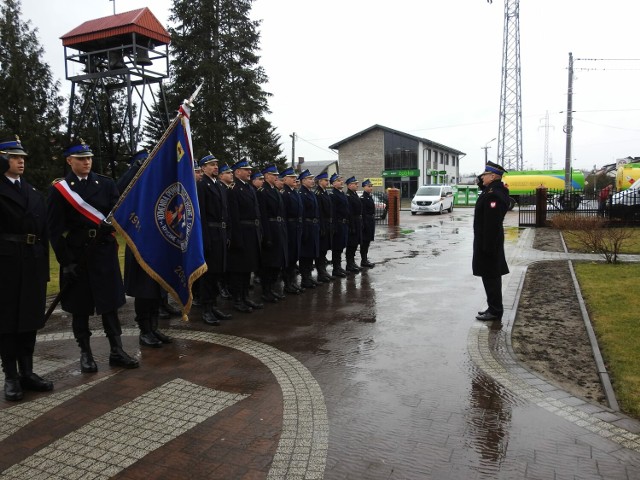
(189, 103)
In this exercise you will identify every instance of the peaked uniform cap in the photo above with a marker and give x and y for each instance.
(351, 180)
(322, 176)
(224, 168)
(288, 172)
(334, 177)
(491, 167)
(366, 182)
(255, 175)
(78, 150)
(271, 169)
(207, 159)
(305, 174)
(244, 163)
(12, 147)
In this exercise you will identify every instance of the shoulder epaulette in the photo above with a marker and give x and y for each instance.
(260, 189)
(103, 176)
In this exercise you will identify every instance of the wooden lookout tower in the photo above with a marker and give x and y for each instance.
(128, 51)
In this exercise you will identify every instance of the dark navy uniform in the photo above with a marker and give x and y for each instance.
(310, 243)
(88, 256)
(368, 226)
(355, 227)
(293, 208)
(340, 230)
(326, 229)
(24, 253)
(274, 242)
(489, 260)
(245, 240)
(214, 214)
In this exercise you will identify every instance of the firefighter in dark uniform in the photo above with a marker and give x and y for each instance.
(214, 215)
(489, 261)
(274, 240)
(368, 223)
(326, 226)
(88, 255)
(246, 237)
(257, 180)
(24, 251)
(147, 293)
(355, 224)
(340, 205)
(293, 208)
(310, 244)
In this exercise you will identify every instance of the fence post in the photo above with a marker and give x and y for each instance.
(541, 207)
(393, 195)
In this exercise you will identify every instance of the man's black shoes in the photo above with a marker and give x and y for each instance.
(488, 316)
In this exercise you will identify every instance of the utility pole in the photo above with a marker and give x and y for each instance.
(486, 148)
(293, 150)
(568, 128)
(548, 162)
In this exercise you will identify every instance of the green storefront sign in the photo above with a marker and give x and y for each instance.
(401, 173)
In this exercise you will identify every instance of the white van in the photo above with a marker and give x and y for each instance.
(432, 199)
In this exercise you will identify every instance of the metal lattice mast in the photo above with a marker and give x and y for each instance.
(510, 125)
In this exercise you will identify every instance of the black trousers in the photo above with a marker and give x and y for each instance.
(146, 307)
(14, 346)
(493, 290)
(364, 250)
(110, 323)
(209, 287)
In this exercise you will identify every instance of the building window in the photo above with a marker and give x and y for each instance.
(400, 153)
(446, 159)
(453, 161)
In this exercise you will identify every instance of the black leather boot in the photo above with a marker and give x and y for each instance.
(147, 338)
(207, 315)
(224, 292)
(307, 281)
(338, 271)
(157, 333)
(351, 265)
(87, 363)
(28, 379)
(118, 357)
(247, 301)
(12, 389)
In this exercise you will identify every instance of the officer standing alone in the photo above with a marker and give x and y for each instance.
(24, 252)
(489, 261)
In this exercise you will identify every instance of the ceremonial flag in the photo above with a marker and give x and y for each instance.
(159, 217)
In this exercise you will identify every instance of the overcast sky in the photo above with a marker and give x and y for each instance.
(430, 68)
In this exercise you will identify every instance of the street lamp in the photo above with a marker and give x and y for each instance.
(486, 148)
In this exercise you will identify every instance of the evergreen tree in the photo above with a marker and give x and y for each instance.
(216, 43)
(30, 100)
(263, 145)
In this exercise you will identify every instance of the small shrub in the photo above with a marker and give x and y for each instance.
(593, 234)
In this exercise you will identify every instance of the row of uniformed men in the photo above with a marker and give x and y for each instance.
(250, 225)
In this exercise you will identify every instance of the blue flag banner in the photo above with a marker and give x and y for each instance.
(159, 217)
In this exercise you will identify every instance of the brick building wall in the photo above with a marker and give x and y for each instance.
(363, 157)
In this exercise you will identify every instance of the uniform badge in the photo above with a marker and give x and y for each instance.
(493, 204)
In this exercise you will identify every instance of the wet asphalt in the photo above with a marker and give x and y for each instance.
(383, 375)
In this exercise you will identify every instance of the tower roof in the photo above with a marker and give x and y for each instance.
(98, 32)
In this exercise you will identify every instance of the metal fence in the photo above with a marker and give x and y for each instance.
(537, 208)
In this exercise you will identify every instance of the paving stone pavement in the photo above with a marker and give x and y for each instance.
(383, 375)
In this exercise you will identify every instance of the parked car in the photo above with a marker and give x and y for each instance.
(626, 203)
(432, 199)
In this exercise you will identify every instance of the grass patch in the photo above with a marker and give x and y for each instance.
(53, 287)
(629, 246)
(610, 292)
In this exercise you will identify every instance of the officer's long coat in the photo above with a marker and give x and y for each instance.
(214, 212)
(340, 219)
(25, 267)
(274, 227)
(368, 217)
(294, 212)
(355, 219)
(488, 233)
(310, 244)
(99, 287)
(246, 230)
(326, 219)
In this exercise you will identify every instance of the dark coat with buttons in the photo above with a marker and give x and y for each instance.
(214, 214)
(340, 219)
(326, 219)
(294, 212)
(310, 243)
(246, 230)
(488, 233)
(99, 288)
(274, 227)
(355, 219)
(368, 217)
(25, 266)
